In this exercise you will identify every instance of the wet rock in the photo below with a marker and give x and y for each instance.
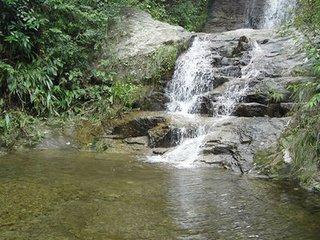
(251, 110)
(164, 136)
(264, 41)
(225, 61)
(206, 105)
(218, 148)
(239, 140)
(59, 139)
(224, 161)
(256, 97)
(137, 127)
(160, 151)
(234, 14)
(243, 45)
(155, 101)
(230, 71)
(216, 61)
(280, 109)
(137, 141)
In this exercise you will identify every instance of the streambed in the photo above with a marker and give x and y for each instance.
(74, 195)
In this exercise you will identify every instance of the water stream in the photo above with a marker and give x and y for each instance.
(77, 195)
(195, 77)
(278, 12)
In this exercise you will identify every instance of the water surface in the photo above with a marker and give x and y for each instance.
(73, 195)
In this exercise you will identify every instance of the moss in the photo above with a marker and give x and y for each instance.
(149, 69)
(270, 162)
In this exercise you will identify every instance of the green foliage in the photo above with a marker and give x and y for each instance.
(51, 62)
(303, 137)
(302, 140)
(16, 125)
(275, 95)
(308, 16)
(191, 14)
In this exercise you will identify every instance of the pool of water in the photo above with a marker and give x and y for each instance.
(73, 195)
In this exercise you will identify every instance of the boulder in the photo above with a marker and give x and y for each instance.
(234, 141)
(154, 101)
(141, 38)
(160, 151)
(137, 127)
(164, 136)
(251, 110)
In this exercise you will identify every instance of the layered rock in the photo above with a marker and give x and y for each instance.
(234, 14)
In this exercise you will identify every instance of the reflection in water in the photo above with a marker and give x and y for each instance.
(214, 204)
(71, 195)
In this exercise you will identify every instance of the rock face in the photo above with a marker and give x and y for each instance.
(143, 37)
(145, 34)
(233, 143)
(234, 14)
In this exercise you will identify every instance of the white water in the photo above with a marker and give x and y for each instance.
(278, 12)
(193, 77)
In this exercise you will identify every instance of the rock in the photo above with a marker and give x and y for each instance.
(206, 105)
(59, 139)
(164, 136)
(251, 110)
(145, 34)
(137, 127)
(160, 151)
(154, 101)
(225, 61)
(141, 37)
(256, 97)
(240, 139)
(244, 138)
(137, 141)
(234, 14)
(218, 148)
(225, 161)
(279, 109)
(243, 45)
(230, 71)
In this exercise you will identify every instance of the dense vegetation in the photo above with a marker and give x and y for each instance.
(304, 139)
(301, 143)
(50, 57)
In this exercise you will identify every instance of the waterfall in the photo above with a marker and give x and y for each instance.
(278, 12)
(269, 14)
(194, 77)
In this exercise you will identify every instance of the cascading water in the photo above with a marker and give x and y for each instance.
(200, 70)
(192, 77)
(277, 12)
(195, 77)
(269, 14)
